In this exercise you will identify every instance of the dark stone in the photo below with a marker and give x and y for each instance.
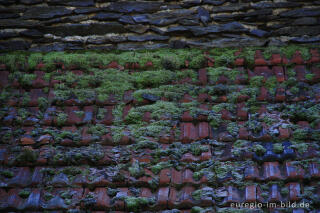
(43, 13)
(226, 18)
(85, 29)
(101, 47)
(126, 19)
(130, 7)
(55, 203)
(96, 40)
(74, 3)
(254, 16)
(137, 46)
(228, 42)
(258, 13)
(11, 23)
(265, 5)
(33, 201)
(9, 15)
(198, 31)
(55, 47)
(148, 38)
(214, 2)
(301, 12)
(288, 152)
(189, 22)
(32, 33)
(306, 39)
(141, 18)
(106, 16)
(162, 19)
(149, 97)
(8, 34)
(259, 33)
(230, 35)
(16, 9)
(305, 21)
(14, 45)
(138, 28)
(231, 8)
(167, 18)
(7, 2)
(158, 31)
(75, 19)
(298, 31)
(233, 27)
(86, 10)
(178, 29)
(178, 44)
(275, 42)
(204, 15)
(31, 1)
(103, 39)
(191, 3)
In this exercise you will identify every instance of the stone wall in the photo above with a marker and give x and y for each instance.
(55, 25)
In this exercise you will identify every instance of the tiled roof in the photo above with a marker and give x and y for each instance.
(147, 137)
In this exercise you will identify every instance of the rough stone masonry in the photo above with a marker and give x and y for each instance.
(57, 25)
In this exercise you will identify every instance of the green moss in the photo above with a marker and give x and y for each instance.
(42, 103)
(284, 191)
(145, 145)
(79, 114)
(33, 60)
(198, 175)
(171, 62)
(223, 56)
(259, 149)
(136, 170)
(7, 174)
(268, 51)
(24, 194)
(278, 148)
(254, 125)
(269, 120)
(187, 74)
(171, 92)
(271, 84)
(256, 81)
(158, 109)
(197, 61)
(215, 73)
(101, 113)
(27, 155)
(233, 128)
(218, 107)
(159, 166)
(117, 133)
(23, 114)
(215, 120)
(300, 146)
(61, 118)
(309, 76)
(113, 82)
(48, 196)
(136, 204)
(154, 183)
(160, 58)
(14, 61)
(117, 113)
(71, 171)
(26, 79)
(289, 51)
(240, 146)
(301, 134)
